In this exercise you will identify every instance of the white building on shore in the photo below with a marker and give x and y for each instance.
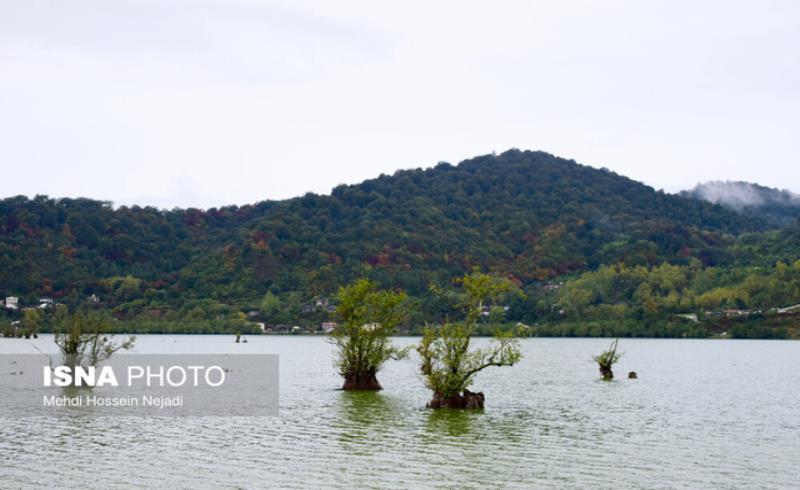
(12, 302)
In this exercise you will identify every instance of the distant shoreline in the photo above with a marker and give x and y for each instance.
(323, 336)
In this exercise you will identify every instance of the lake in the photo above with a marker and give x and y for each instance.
(703, 413)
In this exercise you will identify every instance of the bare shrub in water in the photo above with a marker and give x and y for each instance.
(84, 339)
(606, 360)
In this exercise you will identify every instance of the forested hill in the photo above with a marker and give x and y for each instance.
(527, 215)
(774, 206)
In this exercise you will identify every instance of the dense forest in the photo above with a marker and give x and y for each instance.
(594, 252)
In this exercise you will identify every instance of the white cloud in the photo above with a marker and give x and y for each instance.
(214, 102)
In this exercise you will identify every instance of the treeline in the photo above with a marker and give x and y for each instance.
(620, 291)
(613, 301)
(622, 328)
(48, 322)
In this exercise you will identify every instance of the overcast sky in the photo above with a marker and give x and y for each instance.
(211, 102)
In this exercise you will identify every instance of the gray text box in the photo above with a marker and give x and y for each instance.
(179, 385)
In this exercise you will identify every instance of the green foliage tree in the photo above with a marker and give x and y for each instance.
(366, 318)
(83, 338)
(9, 331)
(447, 362)
(272, 308)
(32, 322)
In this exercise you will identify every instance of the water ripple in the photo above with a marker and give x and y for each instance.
(697, 417)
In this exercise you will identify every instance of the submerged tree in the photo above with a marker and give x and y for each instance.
(366, 318)
(606, 360)
(83, 338)
(448, 364)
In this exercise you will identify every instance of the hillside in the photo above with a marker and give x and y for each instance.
(773, 206)
(527, 215)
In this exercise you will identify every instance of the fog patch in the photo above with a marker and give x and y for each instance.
(740, 195)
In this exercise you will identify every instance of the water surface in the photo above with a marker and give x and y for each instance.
(703, 413)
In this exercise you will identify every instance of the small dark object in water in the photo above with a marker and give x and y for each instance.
(237, 338)
(632, 375)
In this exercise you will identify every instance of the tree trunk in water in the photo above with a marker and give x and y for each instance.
(467, 399)
(366, 382)
(607, 373)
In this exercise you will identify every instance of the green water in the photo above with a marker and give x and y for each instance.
(703, 414)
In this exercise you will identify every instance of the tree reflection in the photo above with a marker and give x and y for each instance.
(450, 422)
(366, 417)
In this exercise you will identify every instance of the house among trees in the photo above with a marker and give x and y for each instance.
(728, 313)
(328, 327)
(324, 304)
(12, 302)
(319, 304)
(94, 299)
(45, 303)
(486, 311)
(732, 313)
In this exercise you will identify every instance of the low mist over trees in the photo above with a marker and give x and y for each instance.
(776, 207)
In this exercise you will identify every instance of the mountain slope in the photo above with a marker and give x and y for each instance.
(773, 206)
(528, 215)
